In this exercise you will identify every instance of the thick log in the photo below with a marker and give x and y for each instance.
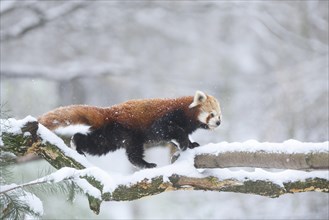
(261, 159)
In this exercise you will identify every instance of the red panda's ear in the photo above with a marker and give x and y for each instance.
(199, 97)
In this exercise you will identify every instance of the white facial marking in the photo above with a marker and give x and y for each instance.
(214, 120)
(210, 113)
(203, 117)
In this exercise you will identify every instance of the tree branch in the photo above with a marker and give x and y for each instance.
(26, 136)
(41, 18)
(176, 182)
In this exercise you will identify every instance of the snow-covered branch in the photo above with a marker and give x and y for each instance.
(26, 136)
(290, 154)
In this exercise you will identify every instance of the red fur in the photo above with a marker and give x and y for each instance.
(137, 114)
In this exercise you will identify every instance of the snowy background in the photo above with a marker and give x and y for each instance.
(266, 62)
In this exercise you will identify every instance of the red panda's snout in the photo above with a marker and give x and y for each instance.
(211, 119)
(214, 121)
(209, 110)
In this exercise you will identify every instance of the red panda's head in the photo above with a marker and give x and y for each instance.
(209, 109)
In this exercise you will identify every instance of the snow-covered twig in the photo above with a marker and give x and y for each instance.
(11, 187)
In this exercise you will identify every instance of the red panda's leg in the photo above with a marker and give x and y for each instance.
(135, 155)
(94, 143)
(173, 126)
(169, 131)
(177, 133)
(76, 141)
(193, 145)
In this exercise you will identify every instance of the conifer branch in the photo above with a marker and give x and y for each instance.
(12, 188)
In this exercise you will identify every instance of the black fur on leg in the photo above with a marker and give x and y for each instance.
(81, 141)
(110, 138)
(169, 132)
(135, 155)
(173, 126)
(102, 140)
(193, 145)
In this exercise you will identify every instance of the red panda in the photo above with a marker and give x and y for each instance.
(136, 123)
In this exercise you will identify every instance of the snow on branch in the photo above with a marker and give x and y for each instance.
(22, 137)
(290, 154)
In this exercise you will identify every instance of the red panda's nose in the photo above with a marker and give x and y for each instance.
(218, 123)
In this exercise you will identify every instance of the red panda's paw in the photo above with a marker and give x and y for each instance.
(140, 162)
(150, 165)
(80, 152)
(193, 145)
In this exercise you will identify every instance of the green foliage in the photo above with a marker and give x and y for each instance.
(13, 204)
(14, 207)
(66, 187)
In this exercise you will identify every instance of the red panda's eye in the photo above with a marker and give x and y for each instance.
(212, 115)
